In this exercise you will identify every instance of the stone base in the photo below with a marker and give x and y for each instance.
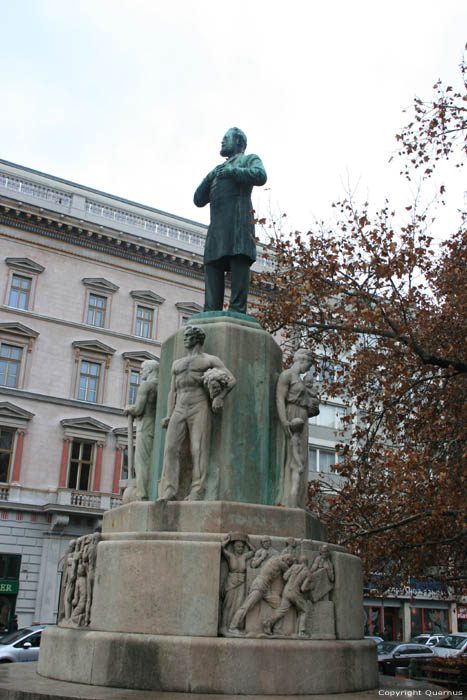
(208, 665)
(214, 517)
(22, 682)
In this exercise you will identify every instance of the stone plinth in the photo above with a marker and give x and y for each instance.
(213, 516)
(245, 456)
(208, 665)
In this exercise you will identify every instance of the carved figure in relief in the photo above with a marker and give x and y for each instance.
(89, 560)
(66, 590)
(189, 410)
(78, 580)
(79, 598)
(322, 575)
(71, 573)
(233, 593)
(261, 589)
(263, 553)
(291, 546)
(296, 401)
(298, 582)
(144, 411)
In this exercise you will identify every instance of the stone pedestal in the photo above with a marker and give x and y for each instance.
(156, 610)
(179, 607)
(246, 443)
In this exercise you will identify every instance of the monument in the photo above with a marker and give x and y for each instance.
(222, 582)
(230, 242)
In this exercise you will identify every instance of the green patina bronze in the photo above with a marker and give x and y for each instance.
(246, 444)
(230, 241)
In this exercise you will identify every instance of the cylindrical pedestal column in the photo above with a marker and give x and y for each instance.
(244, 462)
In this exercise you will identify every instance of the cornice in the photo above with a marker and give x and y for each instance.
(58, 400)
(107, 240)
(75, 324)
(82, 234)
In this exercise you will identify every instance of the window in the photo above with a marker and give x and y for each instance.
(7, 442)
(423, 620)
(81, 465)
(372, 617)
(329, 416)
(133, 361)
(187, 309)
(89, 379)
(124, 467)
(320, 460)
(20, 290)
(16, 346)
(22, 278)
(10, 364)
(145, 312)
(92, 360)
(134, 382)
(96, 310)
(98, 301)
(144, 321)
(9, 566)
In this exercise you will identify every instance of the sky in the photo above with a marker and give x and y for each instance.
(132, 97)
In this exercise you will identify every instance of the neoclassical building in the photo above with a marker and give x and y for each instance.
(90, 286)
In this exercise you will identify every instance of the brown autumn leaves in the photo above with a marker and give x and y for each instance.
(387, 309)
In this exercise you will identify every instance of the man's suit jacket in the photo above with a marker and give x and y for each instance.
(231, 231)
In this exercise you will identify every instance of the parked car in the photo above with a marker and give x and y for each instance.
(452, 645)
(22, 645)
(392, 655)
(429, 639)
(376, 639)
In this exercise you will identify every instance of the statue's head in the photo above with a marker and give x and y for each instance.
(303, 560)
(288, 558)
(304, 358)
(239, 547)
(71, 546)
(149, 367)
(192, 336)
(291, 542)
(234, 142)
(266, 542)
(324, 551)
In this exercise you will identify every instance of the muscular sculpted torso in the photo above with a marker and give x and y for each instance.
(189, 411)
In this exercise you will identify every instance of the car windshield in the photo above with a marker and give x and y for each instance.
(419, 640)
(452, 641)
(14, 636)
(387, 647)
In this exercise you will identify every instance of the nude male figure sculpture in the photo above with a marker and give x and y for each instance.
(195, 393)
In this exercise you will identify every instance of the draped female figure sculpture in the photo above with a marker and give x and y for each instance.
(296, 401)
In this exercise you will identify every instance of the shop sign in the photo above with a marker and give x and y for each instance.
(9, 587)
(461, 612)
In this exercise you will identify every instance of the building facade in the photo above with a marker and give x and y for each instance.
(90, 286)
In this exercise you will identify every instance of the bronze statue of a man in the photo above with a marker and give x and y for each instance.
(230, 242)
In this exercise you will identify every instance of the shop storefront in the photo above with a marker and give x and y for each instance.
(10, 565)
(406, 612)
(462, 618)
(382, 618)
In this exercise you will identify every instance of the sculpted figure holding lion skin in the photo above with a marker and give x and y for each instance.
(199, 384)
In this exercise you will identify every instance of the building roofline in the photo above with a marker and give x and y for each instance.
(116, 198)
